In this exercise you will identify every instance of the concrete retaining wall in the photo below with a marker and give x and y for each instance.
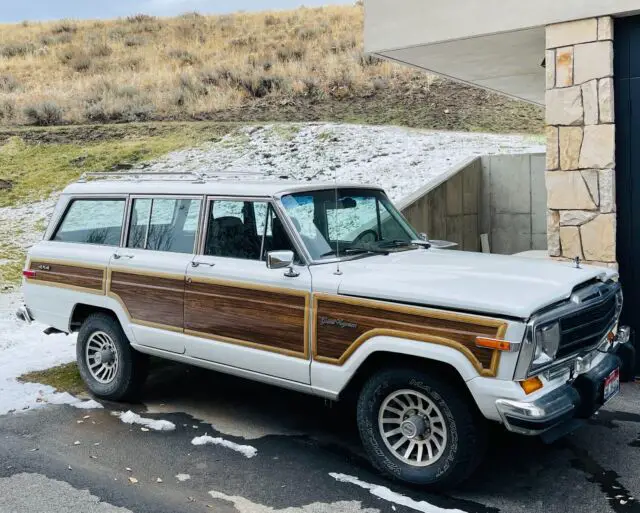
(503, 196)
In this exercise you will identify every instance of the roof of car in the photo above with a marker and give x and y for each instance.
(215, 187)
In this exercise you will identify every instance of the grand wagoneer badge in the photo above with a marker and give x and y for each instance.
(338, 323)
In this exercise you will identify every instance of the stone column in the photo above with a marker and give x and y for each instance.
(581, 141)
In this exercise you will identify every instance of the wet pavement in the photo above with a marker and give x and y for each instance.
(48, 459)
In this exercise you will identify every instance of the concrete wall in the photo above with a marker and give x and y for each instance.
(401, 23)
(449, 208)
(503, 196)
(514, 203)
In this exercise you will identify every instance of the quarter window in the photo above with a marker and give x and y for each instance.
(161, 224)
(92, 221)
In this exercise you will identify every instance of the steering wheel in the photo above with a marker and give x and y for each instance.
(367, 236)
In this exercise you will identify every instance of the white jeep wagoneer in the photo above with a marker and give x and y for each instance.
(326, 289)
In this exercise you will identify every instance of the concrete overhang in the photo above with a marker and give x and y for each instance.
(494, 44)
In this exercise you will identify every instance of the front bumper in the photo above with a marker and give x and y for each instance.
(567, 403)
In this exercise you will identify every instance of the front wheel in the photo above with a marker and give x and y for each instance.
(108, 364)
(420, 428)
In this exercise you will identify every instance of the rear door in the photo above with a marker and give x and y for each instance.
(70, 265)
(147, 275)
(238, 312)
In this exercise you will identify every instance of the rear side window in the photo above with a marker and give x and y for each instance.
(161, 224)
(92, 221)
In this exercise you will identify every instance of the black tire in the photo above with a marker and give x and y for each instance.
(466, 430)
(132, 368)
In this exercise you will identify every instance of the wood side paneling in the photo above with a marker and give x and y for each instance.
(273, 319)
(67, 275)
(343, 324)
(154, 300)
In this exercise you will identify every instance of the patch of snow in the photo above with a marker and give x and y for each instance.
(24, 348)
(243, 505)
(386, 494)
(129, 417)
(246, 450)
(183, 477)
(88, 405)
(398, 159)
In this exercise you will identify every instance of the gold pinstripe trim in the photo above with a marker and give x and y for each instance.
(311, 312)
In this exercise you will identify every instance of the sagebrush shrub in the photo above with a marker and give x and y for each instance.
(140, 18)
(7, 110)
(16, 49)
(44, 114)
(8, 83)
(65, 26)
(185, 57)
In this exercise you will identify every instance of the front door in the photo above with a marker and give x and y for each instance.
(627, 100)
(147, 275)
(237, 311)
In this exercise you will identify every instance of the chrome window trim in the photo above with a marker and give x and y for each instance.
(269, 200)
(71, 199)
(130, 200)
(525, 359)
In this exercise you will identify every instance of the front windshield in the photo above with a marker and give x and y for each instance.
(361, 221)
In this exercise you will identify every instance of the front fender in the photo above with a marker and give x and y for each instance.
(331, 379)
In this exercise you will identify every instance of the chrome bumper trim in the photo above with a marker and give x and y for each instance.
(535, 417)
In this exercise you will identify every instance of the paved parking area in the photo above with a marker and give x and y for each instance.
(308, 458)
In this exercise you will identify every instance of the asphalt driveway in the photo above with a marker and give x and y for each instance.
(308, 458)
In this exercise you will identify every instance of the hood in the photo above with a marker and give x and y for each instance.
(509, 286)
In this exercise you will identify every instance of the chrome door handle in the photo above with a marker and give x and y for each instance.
(198, 264)
(118, 256)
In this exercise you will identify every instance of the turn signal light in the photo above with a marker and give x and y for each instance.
(531, 385)
(492, 343)
(29, 273)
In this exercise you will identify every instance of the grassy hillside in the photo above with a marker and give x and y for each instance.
(301, 65)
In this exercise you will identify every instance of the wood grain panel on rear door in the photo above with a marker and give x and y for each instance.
(342, 324)
(155, 300)
(67, 275)
(271, 319)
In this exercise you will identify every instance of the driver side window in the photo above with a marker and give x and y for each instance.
(246, 230)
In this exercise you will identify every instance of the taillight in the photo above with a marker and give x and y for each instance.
(29, 273)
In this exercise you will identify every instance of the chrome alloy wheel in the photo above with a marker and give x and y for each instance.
(412, 428)
(101, 356)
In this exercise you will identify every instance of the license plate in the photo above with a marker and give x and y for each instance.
(612, 385)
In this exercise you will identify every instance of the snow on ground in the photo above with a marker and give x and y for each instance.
(400, 160)
(245, 450)
(386, 494)
(24, 348)
(133, 418)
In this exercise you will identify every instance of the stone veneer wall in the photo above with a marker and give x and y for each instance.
(581, 141)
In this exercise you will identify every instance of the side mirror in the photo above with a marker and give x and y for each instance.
(282, 260)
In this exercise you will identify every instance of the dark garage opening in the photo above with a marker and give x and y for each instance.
(627, 101)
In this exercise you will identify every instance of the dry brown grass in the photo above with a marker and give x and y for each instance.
(301, 65)
(143, 67)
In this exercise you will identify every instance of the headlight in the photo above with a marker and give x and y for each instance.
(547, 341)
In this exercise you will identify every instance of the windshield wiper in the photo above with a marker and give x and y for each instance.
(372, 251)
(356, 251)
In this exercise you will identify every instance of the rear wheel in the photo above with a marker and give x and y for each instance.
(420, 428)
(108, 364)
